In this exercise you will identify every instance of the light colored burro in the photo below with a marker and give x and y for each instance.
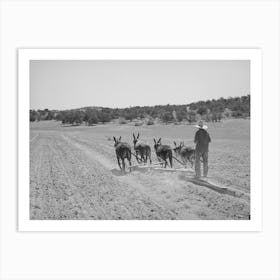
(202, 140)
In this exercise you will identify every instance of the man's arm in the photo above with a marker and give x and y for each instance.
(209, 139)
(195, 137)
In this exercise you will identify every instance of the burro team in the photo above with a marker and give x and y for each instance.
(164, 153)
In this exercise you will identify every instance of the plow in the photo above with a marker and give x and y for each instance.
(155, 165)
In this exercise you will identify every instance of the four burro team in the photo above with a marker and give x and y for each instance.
(164, 152)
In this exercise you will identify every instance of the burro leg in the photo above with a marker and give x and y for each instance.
(119, 162)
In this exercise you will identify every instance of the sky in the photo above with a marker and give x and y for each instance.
(69, 84)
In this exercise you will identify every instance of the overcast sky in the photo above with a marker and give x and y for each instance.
(57, 84)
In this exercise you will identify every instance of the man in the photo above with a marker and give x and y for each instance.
(202, 140)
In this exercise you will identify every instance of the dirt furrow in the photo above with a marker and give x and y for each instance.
(46, 194)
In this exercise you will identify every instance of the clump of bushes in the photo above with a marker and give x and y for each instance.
(122, 120)
(150, 122)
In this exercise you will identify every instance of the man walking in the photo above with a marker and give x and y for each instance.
(202, 140)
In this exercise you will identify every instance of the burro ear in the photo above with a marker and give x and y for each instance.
(120, 138)
(175, 143)
(133, 136)
(138, 135)
(159, 140)
(155, 140)
(115, 139)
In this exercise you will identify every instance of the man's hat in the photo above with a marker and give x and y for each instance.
(201, 125)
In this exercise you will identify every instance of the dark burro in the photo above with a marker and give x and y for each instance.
(163, 152)
(141, 149)
(123, 151)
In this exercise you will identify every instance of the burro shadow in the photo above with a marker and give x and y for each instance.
(118, 172)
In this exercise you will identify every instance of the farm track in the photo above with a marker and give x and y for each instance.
(75, 176)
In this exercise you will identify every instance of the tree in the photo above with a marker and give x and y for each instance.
(182, 114)
(202, 110)
(59, 116)
(237, 114)
(104, 117)
(167, 117)
(50, 115)
(191, 116)
(33, 116)
(91, 117)
(69, 117)
(78, 117)
(209, 117)
(93, 120)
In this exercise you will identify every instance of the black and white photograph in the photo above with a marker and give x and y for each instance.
(140, 139)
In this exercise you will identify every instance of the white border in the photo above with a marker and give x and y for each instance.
(254, 55)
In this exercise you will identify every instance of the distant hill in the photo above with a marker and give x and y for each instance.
(210, 110)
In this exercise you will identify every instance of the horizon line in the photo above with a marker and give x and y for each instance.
(97, 106)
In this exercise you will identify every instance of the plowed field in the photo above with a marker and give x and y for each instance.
(74, 174)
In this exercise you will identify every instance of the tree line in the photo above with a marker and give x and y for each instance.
(211, 110)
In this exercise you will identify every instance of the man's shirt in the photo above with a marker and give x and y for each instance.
(202, 140)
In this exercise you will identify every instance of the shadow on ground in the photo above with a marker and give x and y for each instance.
(207, 184)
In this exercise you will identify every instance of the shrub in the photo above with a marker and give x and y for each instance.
(91, 117)
(150, 122)
(167, 117)
(122, 120)
(237, 114)
(202, 110)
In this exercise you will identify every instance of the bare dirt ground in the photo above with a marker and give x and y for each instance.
(74, 174)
